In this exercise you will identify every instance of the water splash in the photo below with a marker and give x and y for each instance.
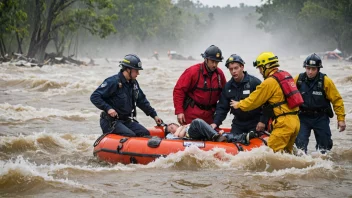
(21, 113)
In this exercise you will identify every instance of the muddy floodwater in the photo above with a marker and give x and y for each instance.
(48, 126)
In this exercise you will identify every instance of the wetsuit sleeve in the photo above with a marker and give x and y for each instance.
(105, 90)
(257, 98)
(335, 98)
(181, 88)
(144, 104)
(222, 108)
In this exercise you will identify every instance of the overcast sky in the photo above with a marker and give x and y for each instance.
(223, 3)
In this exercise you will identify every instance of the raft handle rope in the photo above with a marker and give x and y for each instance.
(239, 147)
(262, 139)
(99, 139)
(133, 160)
(119, 147)
(105, 134)
(123, 140)
(164, 125)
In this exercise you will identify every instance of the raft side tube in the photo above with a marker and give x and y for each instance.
(119, 149)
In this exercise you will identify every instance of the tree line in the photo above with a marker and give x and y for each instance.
(309, 22)
(28, 27)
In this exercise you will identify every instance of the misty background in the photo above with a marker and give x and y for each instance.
(48, 125)
(113, 28)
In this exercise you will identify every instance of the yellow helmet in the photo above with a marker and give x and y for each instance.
(265, 58)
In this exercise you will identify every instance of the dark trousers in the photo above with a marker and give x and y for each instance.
(319, 123)
(240, 127)
(200, 130)
(125, 128)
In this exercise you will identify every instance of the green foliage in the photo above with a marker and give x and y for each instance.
(143, 20)
(322, 21)
(332, 19)
(100, 25)
(158, 22)
(88, 14)
(57, 17)
(12, 21)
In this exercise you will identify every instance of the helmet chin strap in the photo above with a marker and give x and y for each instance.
(264, 70)
(267, 67)
(206, 66)
(130, 74)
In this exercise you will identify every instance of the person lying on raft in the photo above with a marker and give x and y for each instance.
(198, 129)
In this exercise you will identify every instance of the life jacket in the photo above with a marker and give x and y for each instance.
(318, 92)
(190, 101)
(314, 96)
(205, 87)
(293, 97)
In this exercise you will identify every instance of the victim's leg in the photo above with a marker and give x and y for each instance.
(200, 130)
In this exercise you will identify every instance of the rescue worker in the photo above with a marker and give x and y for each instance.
(118, 96)
(285, 124)
(199, 87)
(318, 92)
(239, 87)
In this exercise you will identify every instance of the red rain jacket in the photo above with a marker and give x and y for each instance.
(206, 94)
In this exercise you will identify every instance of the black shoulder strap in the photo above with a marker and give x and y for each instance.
(135, 98)
(300, 80)
(219, 80)
(321, 83)
(205, 87)
(200, 72)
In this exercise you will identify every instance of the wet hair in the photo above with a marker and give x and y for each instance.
(166, 127)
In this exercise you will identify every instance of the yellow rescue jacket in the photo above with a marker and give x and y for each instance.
(268, 91)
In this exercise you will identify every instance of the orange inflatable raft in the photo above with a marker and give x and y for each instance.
(114, 148)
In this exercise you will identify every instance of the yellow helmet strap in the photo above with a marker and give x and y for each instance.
(264, 71)
(267, 70)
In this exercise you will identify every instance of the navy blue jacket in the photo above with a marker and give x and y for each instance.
(116, 93)
(313, 92)
(238, 91)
